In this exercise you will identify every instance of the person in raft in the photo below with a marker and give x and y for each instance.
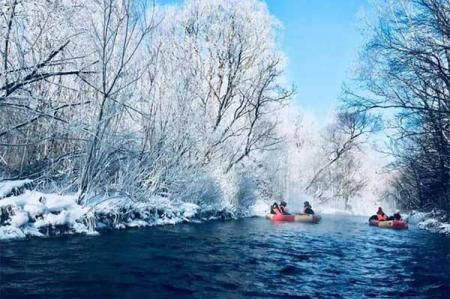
(275, 209)
(283, 208)
(380, 216)
(396, 216)
(307, 208)
(279, 209)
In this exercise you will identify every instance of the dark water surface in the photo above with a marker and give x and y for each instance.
(342, 257)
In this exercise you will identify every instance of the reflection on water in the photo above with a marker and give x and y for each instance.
(340, 257)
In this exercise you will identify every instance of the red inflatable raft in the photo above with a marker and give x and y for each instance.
(294, 218)
(395, 224)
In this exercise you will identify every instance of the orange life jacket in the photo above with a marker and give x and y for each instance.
(381, 217)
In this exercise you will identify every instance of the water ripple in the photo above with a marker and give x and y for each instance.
(339, 258)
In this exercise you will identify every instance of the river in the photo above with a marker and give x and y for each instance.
(342, 257)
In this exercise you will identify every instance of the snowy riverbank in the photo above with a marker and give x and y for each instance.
(434, 221)
(26, 213)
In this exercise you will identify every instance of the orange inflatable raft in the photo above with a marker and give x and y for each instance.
(306, 218)
(395, 224)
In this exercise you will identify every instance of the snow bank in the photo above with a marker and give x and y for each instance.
(8, 188)
(11, 232)
(434, 221)
(34, 213)
(434, 225)
(121, 212)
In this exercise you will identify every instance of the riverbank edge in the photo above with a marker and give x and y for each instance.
(25, 212)
(435, 221)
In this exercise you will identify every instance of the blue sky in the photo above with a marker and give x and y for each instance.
(321, 40)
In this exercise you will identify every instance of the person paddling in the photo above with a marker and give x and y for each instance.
(307, 208)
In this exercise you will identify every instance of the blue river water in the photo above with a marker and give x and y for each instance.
(342, 257)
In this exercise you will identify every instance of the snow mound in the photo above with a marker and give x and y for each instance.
(11, 232)
(434, 221)
(189, 210)
(19, 219)
(8, 187)
(34, 213)
(434, 225)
